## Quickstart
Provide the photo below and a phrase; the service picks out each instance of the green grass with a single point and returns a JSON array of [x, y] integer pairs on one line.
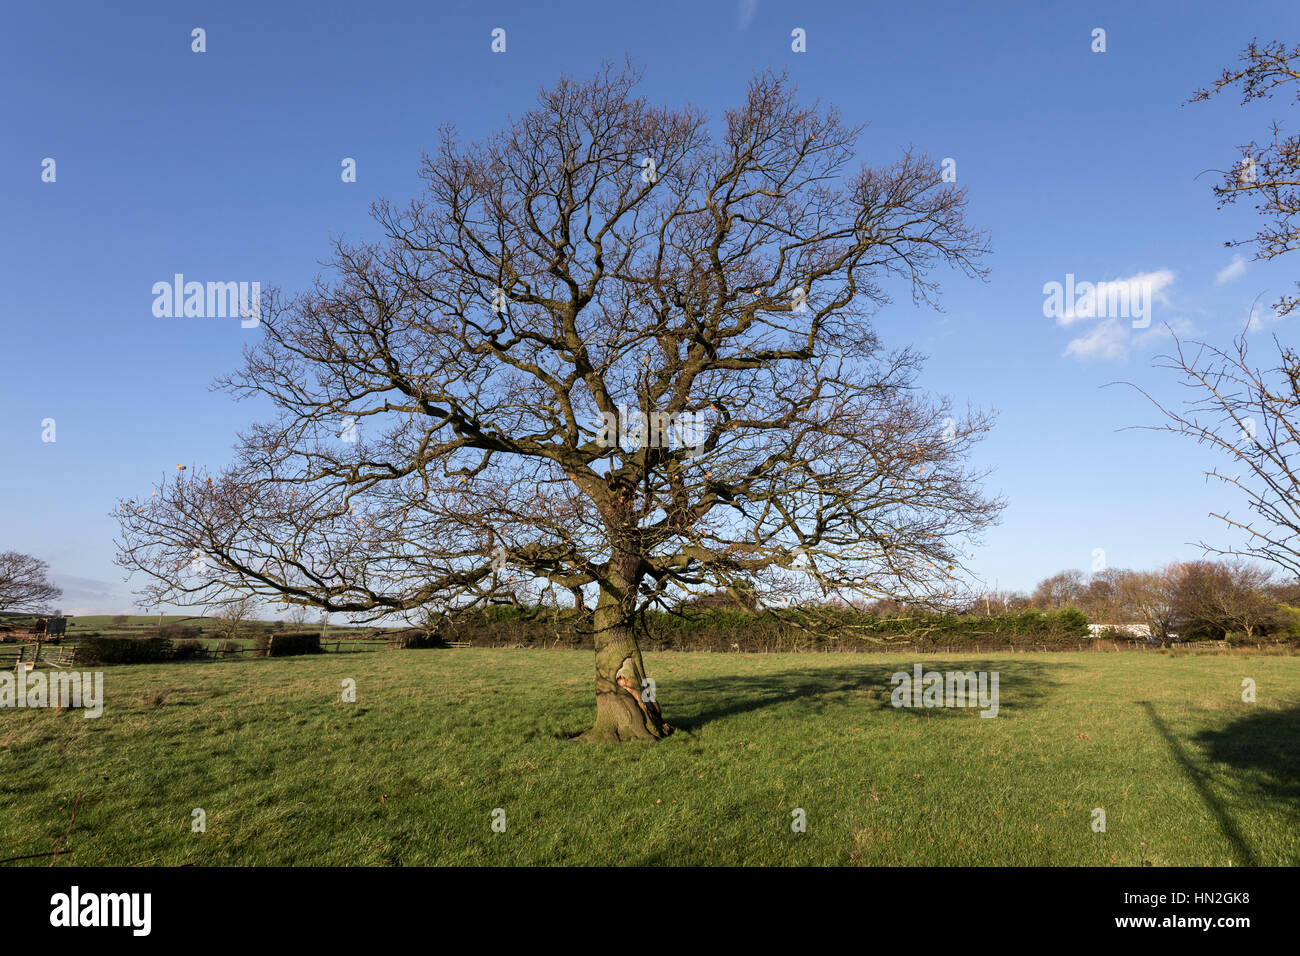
[[1187, 773], [106, 622]]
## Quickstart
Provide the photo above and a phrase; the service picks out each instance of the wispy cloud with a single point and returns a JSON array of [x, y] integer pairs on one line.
[[1112, 340], [1262, 318], [747, 10], [1117, 306], [1233, 270], [1107, 341], [92, 596]]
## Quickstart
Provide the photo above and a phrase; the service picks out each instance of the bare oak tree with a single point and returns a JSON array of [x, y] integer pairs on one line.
[[614, 350], [1060, 590], [1217, 599], [24, 583], [1150, 597], [1100, 598]]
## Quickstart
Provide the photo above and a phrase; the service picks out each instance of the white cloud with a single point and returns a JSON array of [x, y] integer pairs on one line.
[[1260, 319], [1108, 341], [747, 10], [92, 596], [1112, 340], [1233, 270]]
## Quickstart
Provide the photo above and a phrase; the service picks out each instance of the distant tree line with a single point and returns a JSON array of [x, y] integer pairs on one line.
[[1187, 600]]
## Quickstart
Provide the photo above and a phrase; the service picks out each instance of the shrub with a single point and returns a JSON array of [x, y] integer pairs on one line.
[[123, 650], [227, 648], [1287, 625], [811, 628], [286, 644], [189, 650], [178, 632], [1072, 621], [415, 638]]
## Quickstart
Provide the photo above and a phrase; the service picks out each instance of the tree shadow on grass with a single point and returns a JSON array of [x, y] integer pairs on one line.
[[808, 691], [1264, 748]]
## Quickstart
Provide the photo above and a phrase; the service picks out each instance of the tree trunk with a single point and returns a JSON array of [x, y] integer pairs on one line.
[[621, 712]]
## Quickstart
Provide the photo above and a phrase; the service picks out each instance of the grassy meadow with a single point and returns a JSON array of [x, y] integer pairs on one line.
[[410, 774]]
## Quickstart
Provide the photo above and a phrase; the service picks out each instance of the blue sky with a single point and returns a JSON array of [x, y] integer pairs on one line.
[[225, 165]]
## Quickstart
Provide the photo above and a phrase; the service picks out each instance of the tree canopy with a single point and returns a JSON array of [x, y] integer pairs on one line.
[[614, 349]]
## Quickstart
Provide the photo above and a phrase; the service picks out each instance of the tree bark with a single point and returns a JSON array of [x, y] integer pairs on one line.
[[621, 712]]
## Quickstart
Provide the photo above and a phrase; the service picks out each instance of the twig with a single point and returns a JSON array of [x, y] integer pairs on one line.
[[29, 856], [59, 845]]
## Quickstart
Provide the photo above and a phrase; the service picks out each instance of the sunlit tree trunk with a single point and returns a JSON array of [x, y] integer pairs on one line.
[[623, 711]]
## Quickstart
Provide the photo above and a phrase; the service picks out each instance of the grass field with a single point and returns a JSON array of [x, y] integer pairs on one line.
[[410, 774], [108, 622]]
